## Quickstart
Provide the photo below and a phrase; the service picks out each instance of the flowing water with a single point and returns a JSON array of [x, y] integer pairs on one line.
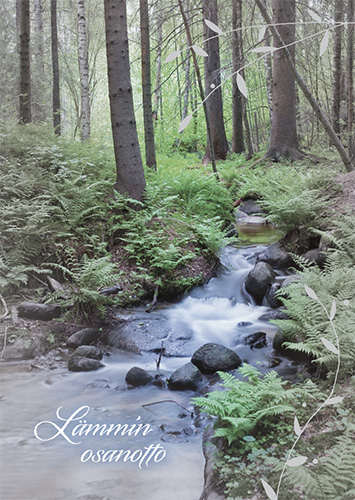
[[48, 449]]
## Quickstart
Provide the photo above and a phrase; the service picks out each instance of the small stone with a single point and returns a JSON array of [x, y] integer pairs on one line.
[[256, 340], [80, 364], [88, 351], [82, 337], [188, 377]]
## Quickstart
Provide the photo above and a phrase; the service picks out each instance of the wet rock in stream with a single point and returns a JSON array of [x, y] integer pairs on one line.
[[138, 377], [188, 377], [211, 358], [276, 256], [81, 364], [256, 340], [258, 280], [82, 337]]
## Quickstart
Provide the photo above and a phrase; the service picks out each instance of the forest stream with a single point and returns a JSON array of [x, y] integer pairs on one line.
[[62, 462]]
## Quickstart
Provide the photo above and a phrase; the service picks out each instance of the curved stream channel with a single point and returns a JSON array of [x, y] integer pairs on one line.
[[56, 469]]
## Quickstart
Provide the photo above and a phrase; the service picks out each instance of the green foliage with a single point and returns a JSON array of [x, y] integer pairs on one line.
[[248, 406], [308, 321]]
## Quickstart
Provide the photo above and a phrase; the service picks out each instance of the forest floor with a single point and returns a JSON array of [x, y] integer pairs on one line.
[[346, 199]]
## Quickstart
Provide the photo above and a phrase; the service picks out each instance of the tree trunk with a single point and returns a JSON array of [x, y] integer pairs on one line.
[[55, 68], [268, 73], [150, 158], [157, 92], [350, 74], [212, 81], [130, 173], [200, 87], [25, 68], [83, 72], [338, 18], [308, 95], [39, 89], [237, 139], [284, 142]]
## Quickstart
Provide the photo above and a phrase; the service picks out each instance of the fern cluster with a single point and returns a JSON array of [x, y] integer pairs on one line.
[[308, 322], [252, 406]]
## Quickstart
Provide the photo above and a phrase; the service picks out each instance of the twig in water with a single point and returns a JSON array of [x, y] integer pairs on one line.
[[160, 355], [169, 401], [154, 303]]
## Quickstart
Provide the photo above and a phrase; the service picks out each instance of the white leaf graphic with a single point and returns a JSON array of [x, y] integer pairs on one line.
[[333, 310], [172, 56], [242, 85], [334, 401], [324, 43], [199, 51], [329, 345], [269, 491], [264, 49], [295, 462], [311, 293], [314, 16], [297, 427], [185, 123], [262, 33], [212, 26]]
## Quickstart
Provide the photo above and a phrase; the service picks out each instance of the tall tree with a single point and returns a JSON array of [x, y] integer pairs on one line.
[[147, 87], [83, 71], [337, 53], [350, 74], [214, 101], [284, 141], [25, 67], [55, 69], [237, 140], [130, 173], [38, 73]]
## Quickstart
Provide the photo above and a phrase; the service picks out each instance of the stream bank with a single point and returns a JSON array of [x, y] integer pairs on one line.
[[220, 312]]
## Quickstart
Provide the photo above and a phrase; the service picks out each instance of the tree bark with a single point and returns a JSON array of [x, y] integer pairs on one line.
[[157, 92], [130, 173], [315, 106], [25, 67], [284, 141], [150, 158], [213, 80], [350, 75], [237, 139], [337, 52], [268, 73], [55, 69], [39, 89], [83, 71]]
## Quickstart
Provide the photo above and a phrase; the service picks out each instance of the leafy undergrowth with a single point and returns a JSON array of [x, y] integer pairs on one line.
[[260, 438], [62, 218]]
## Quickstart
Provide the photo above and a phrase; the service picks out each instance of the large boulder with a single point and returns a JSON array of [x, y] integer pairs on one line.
[[188, 377], [138, 377], [82, 337], [315, 256], [275, 314], [211, 358], [276, 256], [258, 280], [251, 207]]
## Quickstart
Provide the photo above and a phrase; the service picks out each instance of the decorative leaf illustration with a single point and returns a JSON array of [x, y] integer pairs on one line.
[[199, 51], [329, 345], [242, 85], [311, 293], [269, 491], [297, 427], [262, 33], [324, 43], [264, 49], [334, 401], [333, 310], [295, 462], [314, 16], [212, 26], [185, 123], [172, 56]]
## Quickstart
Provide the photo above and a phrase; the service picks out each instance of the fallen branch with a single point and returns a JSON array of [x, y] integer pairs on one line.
[[168, 401]]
